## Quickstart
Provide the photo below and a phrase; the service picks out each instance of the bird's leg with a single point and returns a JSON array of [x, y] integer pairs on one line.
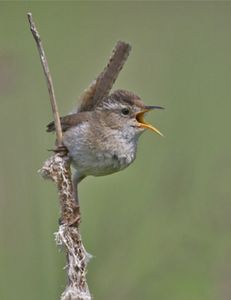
[[75, 181]]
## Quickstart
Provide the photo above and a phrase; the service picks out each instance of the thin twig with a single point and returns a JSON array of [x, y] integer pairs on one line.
[[47, 74]]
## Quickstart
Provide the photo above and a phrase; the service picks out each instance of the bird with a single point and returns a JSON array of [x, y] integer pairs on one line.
[[101, 136]]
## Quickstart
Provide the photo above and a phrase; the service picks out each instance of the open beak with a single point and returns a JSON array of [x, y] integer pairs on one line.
[[141, 121]]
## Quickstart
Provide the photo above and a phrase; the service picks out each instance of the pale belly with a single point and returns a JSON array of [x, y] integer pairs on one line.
[[100, 164], [107, 156]]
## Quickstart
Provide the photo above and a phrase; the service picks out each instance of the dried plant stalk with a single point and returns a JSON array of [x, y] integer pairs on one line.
[[57, 168]]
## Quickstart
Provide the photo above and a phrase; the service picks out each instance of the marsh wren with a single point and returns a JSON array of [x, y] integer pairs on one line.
[[101, 136]]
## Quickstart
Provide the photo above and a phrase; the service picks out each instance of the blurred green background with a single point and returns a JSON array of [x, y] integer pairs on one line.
[[161, 228]]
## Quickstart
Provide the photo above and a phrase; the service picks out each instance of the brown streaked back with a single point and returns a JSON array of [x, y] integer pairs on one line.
[[70, 120]]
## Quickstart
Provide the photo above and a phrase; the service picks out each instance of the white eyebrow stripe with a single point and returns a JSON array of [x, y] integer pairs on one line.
[[113, 105]]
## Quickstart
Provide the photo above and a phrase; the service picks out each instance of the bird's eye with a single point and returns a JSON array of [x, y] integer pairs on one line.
[[125, 111]]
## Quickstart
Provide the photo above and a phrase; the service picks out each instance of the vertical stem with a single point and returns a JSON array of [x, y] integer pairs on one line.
[[47, 74]]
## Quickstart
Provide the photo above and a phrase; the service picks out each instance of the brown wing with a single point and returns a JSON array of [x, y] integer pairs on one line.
[[102, 85], [69, 121]]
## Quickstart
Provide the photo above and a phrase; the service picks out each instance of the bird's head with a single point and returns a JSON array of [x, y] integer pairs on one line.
[[124, 109]]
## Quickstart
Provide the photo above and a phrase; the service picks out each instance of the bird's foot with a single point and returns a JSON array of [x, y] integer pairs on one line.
[[62, 150]]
